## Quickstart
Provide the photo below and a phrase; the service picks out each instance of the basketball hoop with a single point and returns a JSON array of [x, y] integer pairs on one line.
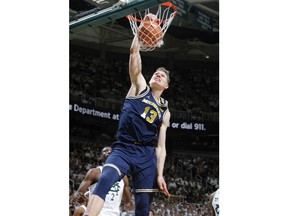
[[150, 26]]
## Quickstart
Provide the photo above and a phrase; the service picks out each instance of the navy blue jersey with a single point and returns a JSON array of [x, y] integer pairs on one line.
[[141, 118]]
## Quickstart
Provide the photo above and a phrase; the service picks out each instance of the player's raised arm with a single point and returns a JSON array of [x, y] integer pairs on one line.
[[138, 82]]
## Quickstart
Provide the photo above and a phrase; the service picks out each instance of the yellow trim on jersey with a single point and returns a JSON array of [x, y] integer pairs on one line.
[[146, 190], [115, 167]]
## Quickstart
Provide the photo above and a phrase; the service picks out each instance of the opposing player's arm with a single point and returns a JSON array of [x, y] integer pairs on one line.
[[126, 191], [161, 153], [127, 195], [138, 82], [93, 175], [79, 212]]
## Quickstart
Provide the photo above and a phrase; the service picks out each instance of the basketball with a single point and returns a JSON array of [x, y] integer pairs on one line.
[[150, 33]]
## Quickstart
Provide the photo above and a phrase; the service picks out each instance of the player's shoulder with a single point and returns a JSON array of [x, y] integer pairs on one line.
[[163, 102], [145, 90], [95, 171]]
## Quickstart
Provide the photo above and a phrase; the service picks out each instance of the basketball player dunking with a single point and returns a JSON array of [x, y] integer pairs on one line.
[[140, 147]]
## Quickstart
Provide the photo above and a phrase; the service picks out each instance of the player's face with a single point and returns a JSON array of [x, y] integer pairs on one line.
[[159, 78], [105, 153]]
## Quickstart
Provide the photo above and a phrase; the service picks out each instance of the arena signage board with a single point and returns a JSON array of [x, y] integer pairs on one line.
[[107, 114], [203, 21], [102, 4], [181, 6]]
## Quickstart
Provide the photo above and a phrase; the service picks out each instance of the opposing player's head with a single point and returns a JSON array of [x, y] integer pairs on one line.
[[105, 152], [160, 79]]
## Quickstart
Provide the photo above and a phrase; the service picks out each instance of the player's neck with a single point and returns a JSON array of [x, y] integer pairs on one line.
[[157, 94]]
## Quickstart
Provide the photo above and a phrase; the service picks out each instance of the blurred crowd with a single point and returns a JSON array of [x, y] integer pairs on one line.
[[196, 87], [190, 178]]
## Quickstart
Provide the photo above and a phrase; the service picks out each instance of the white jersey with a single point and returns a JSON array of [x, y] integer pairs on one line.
[[215, 202], [113, 198]]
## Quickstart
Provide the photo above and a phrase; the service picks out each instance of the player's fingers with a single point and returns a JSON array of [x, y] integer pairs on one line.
[[165, 191]]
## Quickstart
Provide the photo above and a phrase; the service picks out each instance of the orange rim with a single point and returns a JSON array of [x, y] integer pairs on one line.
[[167, 4]]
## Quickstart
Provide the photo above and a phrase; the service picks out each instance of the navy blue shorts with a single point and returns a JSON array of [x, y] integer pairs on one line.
[[139, 161]]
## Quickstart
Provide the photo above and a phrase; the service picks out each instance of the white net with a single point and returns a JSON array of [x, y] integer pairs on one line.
[[151, 27]]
